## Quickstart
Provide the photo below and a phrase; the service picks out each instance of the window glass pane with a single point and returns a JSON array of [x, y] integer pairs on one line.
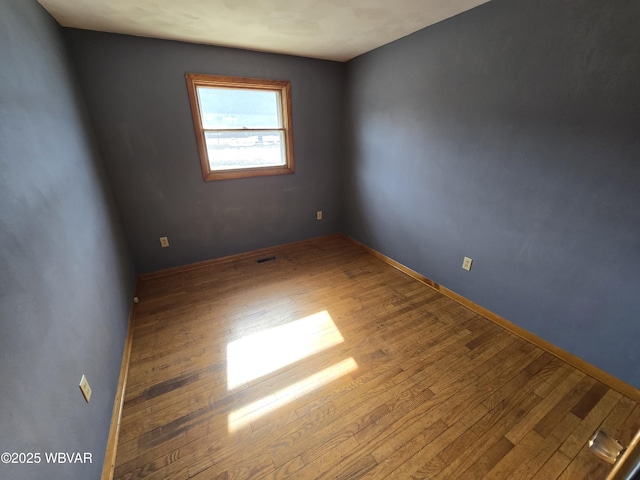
[[223, 108], [230, 150]]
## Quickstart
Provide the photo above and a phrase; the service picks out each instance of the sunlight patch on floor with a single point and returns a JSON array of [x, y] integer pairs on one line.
[[264, 352], [245, 415]]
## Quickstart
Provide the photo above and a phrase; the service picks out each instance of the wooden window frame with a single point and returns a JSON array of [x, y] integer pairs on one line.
[[282, 87]]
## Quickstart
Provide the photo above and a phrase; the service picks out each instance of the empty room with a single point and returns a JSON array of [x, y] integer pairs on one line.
[[327, 239]]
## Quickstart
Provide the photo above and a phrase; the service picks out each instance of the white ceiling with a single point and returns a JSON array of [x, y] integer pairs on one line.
[[328, 29]]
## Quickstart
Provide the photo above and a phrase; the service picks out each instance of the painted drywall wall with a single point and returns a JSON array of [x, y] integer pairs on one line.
[[66, 277], [511, 134], [137, 98]]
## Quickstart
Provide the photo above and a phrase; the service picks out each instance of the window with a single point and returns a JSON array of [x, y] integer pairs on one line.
[[242, 125]]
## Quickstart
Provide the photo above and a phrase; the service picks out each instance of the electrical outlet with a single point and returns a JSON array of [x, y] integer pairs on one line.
[[319, 215], [466, 263], [85, 388], [164, 242]]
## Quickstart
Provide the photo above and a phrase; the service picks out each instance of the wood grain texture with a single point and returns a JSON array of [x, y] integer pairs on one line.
[[399, 381], [109, 465], [263, 252], [604, 377]]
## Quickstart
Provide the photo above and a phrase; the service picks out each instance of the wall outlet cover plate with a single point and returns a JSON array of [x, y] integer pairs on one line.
[[85, 388], [466, 264]]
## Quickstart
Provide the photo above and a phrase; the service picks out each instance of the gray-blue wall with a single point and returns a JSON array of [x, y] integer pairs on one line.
[[66, 278], [511, 134], [137, 98]]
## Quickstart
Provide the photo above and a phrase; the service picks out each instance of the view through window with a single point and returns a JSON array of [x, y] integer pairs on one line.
[[243, 126]]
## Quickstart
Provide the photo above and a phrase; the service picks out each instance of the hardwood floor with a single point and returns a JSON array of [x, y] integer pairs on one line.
[[328, 363]]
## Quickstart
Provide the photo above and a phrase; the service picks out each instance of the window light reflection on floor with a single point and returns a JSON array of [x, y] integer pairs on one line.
[[243, 416], [264, 352]]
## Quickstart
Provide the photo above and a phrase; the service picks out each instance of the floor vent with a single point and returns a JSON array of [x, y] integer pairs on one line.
[[268, 259]]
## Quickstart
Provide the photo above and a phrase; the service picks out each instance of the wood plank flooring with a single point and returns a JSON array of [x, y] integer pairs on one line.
[[326, 363]]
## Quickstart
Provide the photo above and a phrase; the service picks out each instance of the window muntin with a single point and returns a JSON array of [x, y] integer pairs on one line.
[[243, 126]]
